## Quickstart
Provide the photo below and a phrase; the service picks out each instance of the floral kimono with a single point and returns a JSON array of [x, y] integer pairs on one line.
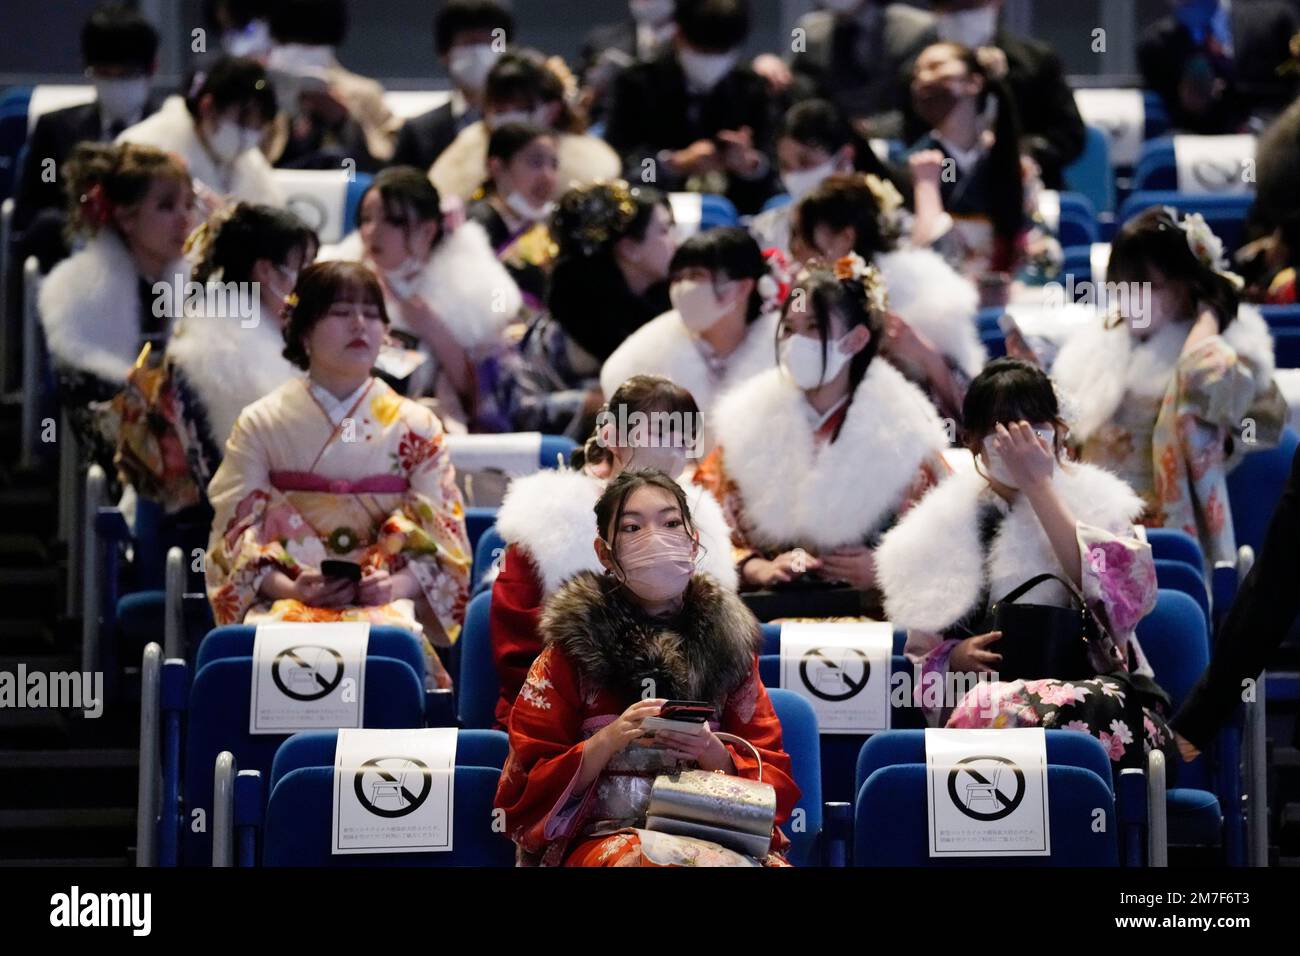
[[600, 650], [1173, 425], [373, 484], [963, 548], [782, 481]]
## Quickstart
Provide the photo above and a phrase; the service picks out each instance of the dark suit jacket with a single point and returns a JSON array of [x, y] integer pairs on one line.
[[1261, 30], [1049, 118], [1260, 618], [652, 111], [55, 135], [607, 36], [422, 138]]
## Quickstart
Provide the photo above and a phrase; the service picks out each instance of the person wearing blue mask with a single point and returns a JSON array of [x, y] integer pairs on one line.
[[695, 115], [1215, 64]]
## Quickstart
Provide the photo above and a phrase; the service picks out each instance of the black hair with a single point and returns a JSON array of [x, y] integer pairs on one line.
[[640, 393], [406, 191], [319, 286], [730, 252], [234, 81], [309, 22], [1008, 390], [840, 202], [1005, 196], [116, 34], [819, 291], [1154, 238], [589, 220], [239, 13], [525, 75], [466, 16], [609, 507], [714, 25], [229, 248], [506, 142]]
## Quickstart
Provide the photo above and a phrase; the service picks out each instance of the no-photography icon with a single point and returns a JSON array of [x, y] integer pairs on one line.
[[307, 671], [392, 786], [834, 680], [994, 784]]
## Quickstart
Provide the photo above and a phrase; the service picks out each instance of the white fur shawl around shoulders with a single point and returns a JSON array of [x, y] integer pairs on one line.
[[550, 514], [933, 568], [842, 493], [937, 301]]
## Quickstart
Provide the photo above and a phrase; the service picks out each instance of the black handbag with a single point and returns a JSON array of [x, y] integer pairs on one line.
[[1043, 640]]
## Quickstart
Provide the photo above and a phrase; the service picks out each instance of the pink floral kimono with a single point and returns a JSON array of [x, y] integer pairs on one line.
[[377, 488]]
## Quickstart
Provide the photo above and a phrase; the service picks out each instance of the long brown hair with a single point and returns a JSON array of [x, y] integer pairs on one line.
[[103, 177], [640, 393]]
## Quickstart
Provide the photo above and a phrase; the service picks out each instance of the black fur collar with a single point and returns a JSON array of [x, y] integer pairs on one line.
[[703, 653]]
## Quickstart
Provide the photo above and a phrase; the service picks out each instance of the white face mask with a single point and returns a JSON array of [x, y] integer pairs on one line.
[[231, 139], [799, 183], [652, 12], [801, 359], [520, 205], [122, 100], [704, 71], [469, 66], [972, 28], [535, 116], [996, 469], [697, 303], [252, 41], [671, 461]]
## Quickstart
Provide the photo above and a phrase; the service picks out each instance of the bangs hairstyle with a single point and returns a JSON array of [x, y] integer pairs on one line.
[[116, 34], [470, 16], [234, 81], [609, 509], [408, 197], [713, 25], [319, 286], [640, 393], [826, 296], [508, 141], [730, 253], [1154, 238], [1009, 390]]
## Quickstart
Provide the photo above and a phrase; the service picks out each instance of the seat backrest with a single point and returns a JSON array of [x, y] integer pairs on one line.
[[1067, 748], [1091, 173], [555, 451], [478, 686], [1255, 487], [325, 199], [299, 820], [315, 748], [1225, 215], [800, 740], [1175, 639], [891, 822], [1071, 216], [1180, 576], [477, 521], [1171, 544], [218, 720], [236, 640], [489, 547]]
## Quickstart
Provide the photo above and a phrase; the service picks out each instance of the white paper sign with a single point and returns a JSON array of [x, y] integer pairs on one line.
[[517, 453], [1214, 164], [393, 791], [1121, 115], [308, 677], [987, 792], [842, 669]]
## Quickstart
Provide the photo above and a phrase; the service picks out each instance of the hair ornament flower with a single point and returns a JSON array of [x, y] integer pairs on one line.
[[774, 286], [889, 202], [853, 268], [1205, 245]]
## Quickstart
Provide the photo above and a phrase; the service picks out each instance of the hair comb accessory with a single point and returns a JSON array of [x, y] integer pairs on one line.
[[774, 287], [1206, 246], [98, 207], [597, 213], [853, 268], [889, 202]]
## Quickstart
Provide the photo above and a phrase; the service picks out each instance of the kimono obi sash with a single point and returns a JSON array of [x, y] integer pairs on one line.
[[370, 485], [623, 789]]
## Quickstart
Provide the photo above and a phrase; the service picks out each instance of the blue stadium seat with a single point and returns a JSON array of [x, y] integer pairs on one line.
[[1065, 748], [1255, 487], [1171, 544], [1157, 116], [1180, 576], [236, 640], [217, 720], [1286, 347], [315, 748], [772, 638], [1091, 172], [717, 212], [1225, 215], [1281, 316], [477, 521], [777, 201], [1077, 263], [477, 686], [1078, 220], [891, 822], [299, 814], [799, 740], [490, 545], [1156, 167], [13, 134]]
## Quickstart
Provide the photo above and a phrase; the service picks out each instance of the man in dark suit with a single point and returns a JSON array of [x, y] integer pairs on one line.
[[857, 54], [1260, 618], [1050, 123], [693, 118], [1216, 67], [610, 48], [120, 50], [469, 36]]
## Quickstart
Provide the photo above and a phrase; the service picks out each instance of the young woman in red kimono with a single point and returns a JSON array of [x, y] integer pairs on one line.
[[578, 778], [542, 514]]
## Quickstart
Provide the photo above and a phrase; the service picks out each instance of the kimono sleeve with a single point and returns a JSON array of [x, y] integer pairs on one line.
[[426, 533], [240, 555], [1215, 385], [1119, 577], [516, 608], [749, 714], [546, 747]]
